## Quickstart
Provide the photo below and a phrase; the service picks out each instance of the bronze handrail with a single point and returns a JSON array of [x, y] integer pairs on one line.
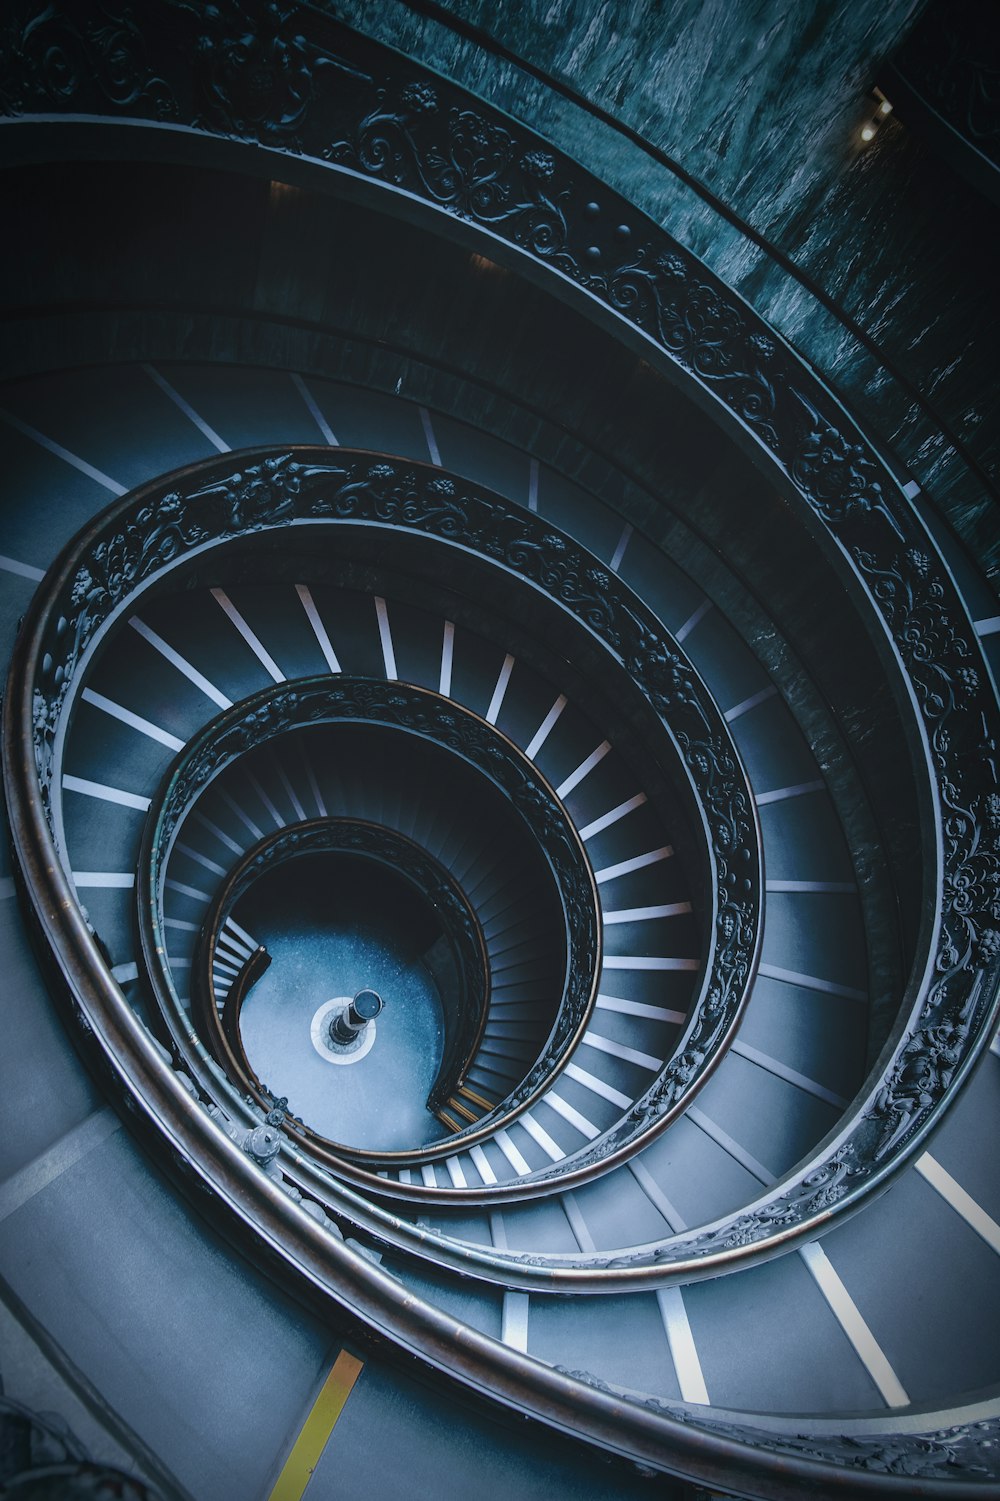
[[405, 708], [359, 837], [693, 325]]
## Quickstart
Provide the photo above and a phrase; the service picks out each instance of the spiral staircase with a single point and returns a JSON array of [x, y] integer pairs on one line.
[[428, 577]]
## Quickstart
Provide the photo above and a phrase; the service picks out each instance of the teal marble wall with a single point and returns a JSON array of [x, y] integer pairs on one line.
[[762, 102]]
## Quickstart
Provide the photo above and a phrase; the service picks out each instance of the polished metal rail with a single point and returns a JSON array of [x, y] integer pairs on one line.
[[197, 515], [691, 325]]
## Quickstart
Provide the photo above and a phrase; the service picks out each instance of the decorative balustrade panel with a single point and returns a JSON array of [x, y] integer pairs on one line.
[[376, 119], [401, 707], [465, 1011], [951, 1004], [164, 527]]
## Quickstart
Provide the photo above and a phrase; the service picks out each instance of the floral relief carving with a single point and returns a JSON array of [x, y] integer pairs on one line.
[[54, 57], [458, 922], [328, 700], [365, 110], [963, 1451], [281, 488]]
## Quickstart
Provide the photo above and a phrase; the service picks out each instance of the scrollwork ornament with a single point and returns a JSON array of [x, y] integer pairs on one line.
[[285, 708], [961, 1451], [52, 57], [835, 471], [340, 835], [287, 488], [260, 70], [474, 167]]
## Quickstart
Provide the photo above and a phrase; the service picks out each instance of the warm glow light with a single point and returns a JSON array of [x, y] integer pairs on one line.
[[885, 108], [868, 132]]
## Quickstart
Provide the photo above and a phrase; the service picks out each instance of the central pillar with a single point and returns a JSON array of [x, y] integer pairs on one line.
[[347, 1025]]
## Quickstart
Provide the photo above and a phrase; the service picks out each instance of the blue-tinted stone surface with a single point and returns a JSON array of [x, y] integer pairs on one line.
[[329, 937]]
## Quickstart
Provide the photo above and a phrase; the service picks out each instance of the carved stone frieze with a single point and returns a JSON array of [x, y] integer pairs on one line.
[[291, 76], [329, 700], [56, 57], [290, 488], [964, 1451], [465, 1011]]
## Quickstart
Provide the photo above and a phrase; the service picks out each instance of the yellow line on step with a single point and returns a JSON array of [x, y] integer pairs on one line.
[[307, 1449]]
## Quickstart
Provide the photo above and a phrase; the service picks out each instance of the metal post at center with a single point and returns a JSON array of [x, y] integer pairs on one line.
[[348, 1024]]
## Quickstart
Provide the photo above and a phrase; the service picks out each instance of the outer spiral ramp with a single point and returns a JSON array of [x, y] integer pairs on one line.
[[718, 1294]]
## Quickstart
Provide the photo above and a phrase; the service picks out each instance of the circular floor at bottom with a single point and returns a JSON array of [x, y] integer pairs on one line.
[[332, 941]]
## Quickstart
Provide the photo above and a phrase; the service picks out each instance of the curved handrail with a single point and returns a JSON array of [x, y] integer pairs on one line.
[[828, 464], [952, 993], [388, 128], [410, 710], [228, 1021], [360, 837], [700, 328], [190, 517]]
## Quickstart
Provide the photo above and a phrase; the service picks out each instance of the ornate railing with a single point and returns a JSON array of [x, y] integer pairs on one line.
[[456, 732], [465, 1005], [950, 1004], [389, 125], [141, 541]]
